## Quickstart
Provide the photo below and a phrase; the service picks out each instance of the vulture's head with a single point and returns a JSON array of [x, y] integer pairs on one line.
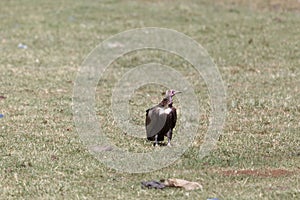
[[170, 94]]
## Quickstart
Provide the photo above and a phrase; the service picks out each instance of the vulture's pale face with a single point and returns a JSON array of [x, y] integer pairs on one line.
[[171, 93]]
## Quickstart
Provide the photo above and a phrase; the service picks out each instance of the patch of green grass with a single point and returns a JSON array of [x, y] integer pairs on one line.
[[257, 52]]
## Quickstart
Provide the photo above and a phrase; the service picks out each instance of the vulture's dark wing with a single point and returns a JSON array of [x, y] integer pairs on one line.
[[155, 121], [170, 123], [173, 117]]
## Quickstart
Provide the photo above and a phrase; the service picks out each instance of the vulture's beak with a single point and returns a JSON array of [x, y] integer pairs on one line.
[[177, 92]]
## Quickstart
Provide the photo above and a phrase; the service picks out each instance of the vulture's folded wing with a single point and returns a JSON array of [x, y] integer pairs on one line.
[[155, 121]]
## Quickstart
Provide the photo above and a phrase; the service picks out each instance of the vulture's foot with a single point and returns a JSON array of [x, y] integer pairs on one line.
[[169, 142]]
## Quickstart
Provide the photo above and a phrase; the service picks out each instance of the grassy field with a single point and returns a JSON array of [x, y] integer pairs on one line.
[[256, 47]]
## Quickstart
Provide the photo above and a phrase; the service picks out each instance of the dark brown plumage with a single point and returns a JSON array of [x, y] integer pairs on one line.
[[161, 119]]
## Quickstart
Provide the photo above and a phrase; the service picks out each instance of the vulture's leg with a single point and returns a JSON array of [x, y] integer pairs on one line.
[[156, 142], [169, 135]]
